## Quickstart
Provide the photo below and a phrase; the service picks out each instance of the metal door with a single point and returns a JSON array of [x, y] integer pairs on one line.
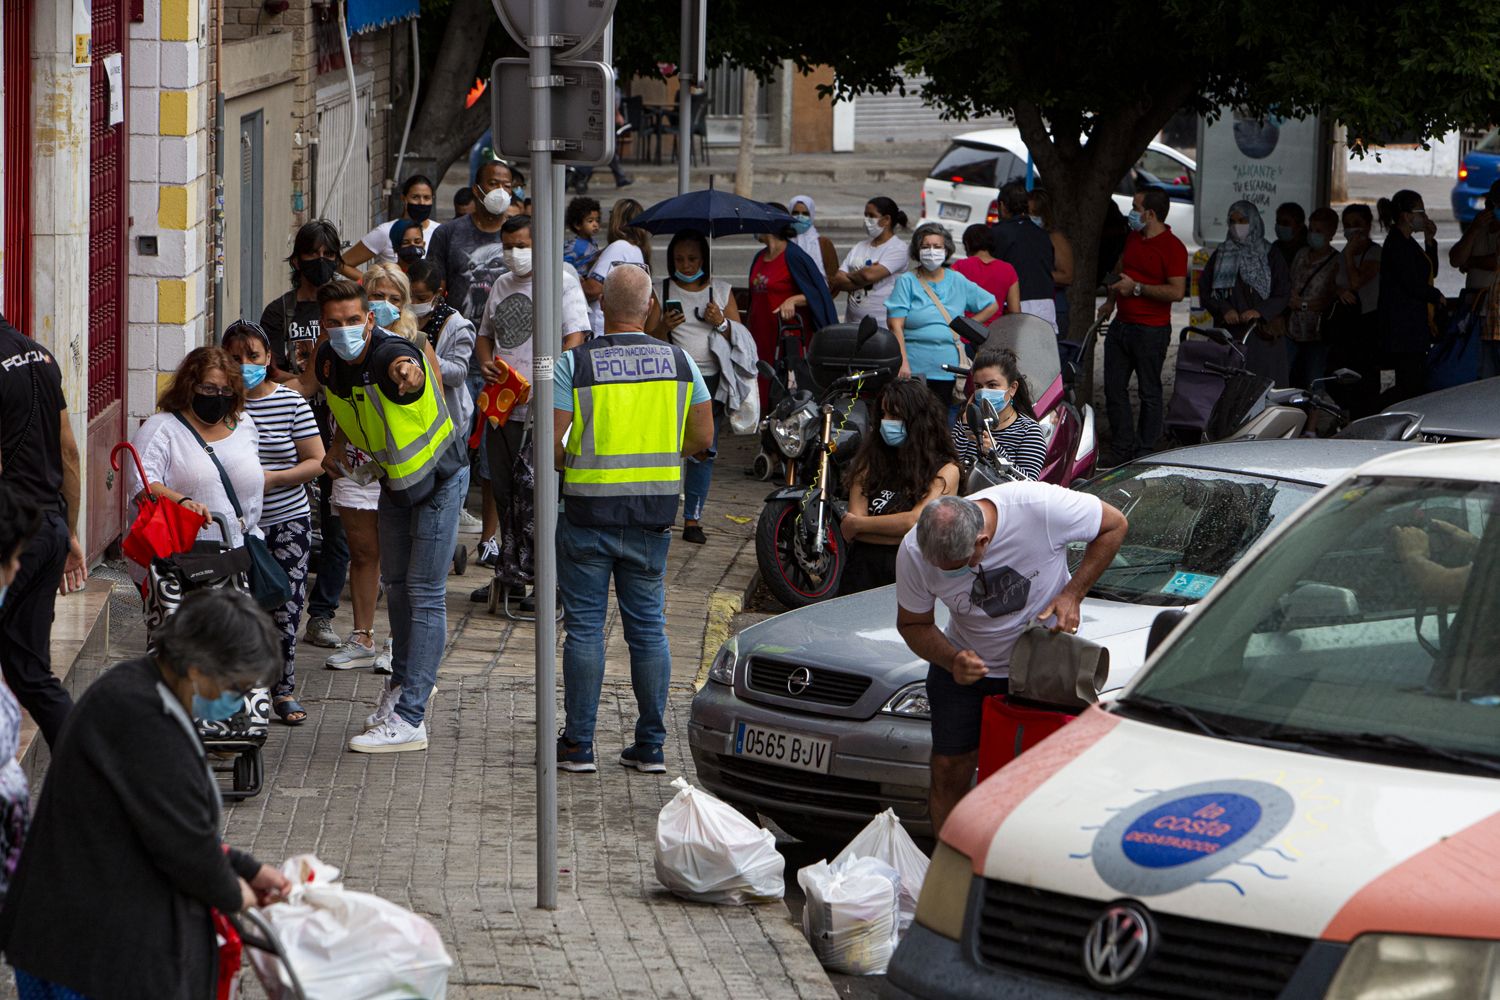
[[108, 186], [15, 54], [339, 124], [252, 214]]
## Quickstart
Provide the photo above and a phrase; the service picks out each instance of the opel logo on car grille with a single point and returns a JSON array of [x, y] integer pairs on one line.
[[1117, 945], [798, 680]]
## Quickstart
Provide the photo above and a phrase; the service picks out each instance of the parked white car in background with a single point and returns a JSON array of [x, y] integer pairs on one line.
[[963, 186]]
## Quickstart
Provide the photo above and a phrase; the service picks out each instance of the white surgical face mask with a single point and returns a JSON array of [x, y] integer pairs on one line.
[[932, 257], [518, 259], [1240, 230], [497, 201], [421, 310], [872, 227]]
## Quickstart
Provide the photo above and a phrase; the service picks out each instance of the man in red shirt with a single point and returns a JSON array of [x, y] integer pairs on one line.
[[1152, 275]]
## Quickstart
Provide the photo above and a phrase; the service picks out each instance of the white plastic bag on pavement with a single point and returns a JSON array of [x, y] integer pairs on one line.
[[851, 915], [885, 839], [708, 852], [346, 945]]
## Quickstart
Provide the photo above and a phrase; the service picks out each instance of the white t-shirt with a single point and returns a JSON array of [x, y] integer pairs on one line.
[[509, 319], [378, 240], [871, 301], [1024, 567], [617, 252], [694, 335], [175, 459]]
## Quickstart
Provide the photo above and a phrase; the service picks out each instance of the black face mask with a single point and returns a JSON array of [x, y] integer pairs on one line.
[[419, 213], [317, 271], [212, 409], [409, 254]]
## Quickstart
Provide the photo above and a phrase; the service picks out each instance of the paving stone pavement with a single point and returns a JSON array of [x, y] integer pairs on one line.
[[451, 833]]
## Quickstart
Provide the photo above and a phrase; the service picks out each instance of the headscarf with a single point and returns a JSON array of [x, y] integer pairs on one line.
[[808, 241], [1245, 260]]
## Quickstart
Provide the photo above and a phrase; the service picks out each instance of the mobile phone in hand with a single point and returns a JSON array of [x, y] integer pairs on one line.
[[673, 305]]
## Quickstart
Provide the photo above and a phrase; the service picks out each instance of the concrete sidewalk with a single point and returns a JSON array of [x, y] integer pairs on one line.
[[451, 833]]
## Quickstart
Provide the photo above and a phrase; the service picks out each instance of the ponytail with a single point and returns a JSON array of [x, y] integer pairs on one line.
[[1390, 209], [886, 206]]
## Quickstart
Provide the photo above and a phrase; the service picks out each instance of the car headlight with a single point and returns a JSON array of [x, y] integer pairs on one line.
[[790, 433], [910, 701], [1400, 965], [945, 892], [722, 669]]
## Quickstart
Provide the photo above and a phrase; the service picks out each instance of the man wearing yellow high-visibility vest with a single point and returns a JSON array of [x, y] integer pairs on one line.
[[631, 407], [387, 397]]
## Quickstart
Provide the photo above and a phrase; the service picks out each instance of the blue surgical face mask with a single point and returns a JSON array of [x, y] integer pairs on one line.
[[801, 223], [1285, 233], [253, 375], [347, 341], [1316, 241], [1134, 220], [893, 432], [961, 571], [386, 313], [1036, 220], [217, 709], [688, 279], [997, 397]]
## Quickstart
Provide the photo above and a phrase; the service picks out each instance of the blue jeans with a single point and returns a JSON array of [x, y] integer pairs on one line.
[[332, 568], [637, 559], [416, 549], [696, 475]]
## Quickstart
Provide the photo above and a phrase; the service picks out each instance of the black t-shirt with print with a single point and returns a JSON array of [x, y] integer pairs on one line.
[[31, 398], [285, 330]]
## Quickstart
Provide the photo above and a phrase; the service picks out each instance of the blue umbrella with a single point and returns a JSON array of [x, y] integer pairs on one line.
[[714, 213]]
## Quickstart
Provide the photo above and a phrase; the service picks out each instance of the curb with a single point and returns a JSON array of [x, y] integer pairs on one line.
[[723, 605]]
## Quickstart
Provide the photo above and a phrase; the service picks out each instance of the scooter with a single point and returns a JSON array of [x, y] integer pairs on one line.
[[1251, 410]]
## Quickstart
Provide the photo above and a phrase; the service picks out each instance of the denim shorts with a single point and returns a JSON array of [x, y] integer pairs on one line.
[[958, 710]]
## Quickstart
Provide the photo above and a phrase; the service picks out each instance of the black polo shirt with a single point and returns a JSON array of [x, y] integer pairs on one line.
[[31, 401], [1026, 247]]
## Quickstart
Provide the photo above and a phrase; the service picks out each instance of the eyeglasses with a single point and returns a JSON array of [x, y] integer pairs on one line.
[[204, 389]]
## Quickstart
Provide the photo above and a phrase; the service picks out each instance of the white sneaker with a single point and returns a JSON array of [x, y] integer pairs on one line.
[[468, 522], [320, 633], [389, 695], [383, 661], [489, 552], [352, 654], [394, 735]]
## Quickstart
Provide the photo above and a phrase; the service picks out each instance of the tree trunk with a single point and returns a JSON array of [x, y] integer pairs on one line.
[[444, 129], [744, 178], [1338, 180]]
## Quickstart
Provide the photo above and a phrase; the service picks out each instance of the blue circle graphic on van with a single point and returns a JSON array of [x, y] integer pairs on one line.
[[1190, 828]]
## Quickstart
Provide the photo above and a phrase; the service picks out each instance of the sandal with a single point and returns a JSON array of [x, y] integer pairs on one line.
[[289, 711]]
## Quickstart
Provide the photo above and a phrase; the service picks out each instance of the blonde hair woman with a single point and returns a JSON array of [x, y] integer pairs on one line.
[[389, 291]]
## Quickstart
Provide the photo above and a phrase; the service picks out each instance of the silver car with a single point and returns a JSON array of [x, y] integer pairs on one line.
[[818, 718]]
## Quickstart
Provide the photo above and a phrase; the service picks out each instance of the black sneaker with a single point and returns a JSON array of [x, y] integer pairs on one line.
[[481, 595], [646, 759], [694, 533]]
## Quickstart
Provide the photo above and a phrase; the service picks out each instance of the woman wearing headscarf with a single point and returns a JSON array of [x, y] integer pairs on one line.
[[1246, 287], [818, 247]]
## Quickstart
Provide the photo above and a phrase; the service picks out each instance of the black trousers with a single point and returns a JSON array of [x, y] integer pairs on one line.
[[26, 628], [1132, 349]]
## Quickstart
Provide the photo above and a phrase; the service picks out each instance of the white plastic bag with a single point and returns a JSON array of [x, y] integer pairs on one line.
[[885, 839], [346, 945], [852, 914], [706, 851]]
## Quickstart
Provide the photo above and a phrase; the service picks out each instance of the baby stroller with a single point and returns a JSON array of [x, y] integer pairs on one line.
[[515, 569], [234, 745], [1214, 393]]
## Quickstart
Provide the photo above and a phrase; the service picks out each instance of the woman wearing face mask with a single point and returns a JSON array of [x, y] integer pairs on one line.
[[1313, 271], [925, 301], [627, 245], [1350, 329], [1040, 203], [906, 463], [818, 247], [128, 822], [996, 378], [696, 310], [784, 284], [410, 248], [1407, 312], [291, 321], [869, 271], [451, 336], [383, 242], [291, 453], [1245, 287]]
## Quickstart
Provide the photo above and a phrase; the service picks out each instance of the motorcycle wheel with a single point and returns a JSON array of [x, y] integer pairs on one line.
[[792, 574]]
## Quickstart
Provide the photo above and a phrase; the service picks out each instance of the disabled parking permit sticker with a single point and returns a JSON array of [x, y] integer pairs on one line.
[[1194, 586]]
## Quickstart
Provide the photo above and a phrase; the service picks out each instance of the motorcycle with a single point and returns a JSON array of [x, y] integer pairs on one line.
[[1250, 409], [798, 546]]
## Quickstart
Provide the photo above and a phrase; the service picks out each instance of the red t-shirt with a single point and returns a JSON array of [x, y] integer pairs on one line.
[[995, 277], [1151, 262], [771, 284]]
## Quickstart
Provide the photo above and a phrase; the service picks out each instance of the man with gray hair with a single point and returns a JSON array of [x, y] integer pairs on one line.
[[998, 560], [631, 407]]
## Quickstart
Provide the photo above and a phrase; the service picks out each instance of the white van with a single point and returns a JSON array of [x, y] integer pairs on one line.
[[1299, 796]]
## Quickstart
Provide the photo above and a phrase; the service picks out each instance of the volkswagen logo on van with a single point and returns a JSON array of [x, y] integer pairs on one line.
[[798, 680], [1117, 945]]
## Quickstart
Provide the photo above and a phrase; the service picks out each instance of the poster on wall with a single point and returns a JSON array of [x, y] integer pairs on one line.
[[83, 32], [114, 75], [1265, 160]]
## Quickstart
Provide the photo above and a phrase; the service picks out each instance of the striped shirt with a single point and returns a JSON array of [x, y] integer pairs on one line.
[[1023, 443], [283, 418]]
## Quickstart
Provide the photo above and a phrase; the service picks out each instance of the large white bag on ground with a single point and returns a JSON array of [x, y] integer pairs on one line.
[[885, 839], [346, 945], [708, 852], [852, 914]]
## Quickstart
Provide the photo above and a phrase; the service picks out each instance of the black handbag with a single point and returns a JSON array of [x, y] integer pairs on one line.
[[269, 584]]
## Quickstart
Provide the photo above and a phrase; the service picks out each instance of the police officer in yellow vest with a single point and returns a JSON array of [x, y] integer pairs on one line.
[[631, 406], [387, 398]]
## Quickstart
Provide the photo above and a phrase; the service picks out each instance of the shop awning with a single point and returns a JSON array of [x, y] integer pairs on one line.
[[371, 15]]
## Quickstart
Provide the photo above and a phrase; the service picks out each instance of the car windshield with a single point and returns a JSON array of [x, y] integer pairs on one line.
[[982, 165], [1187, 528], [1368, 629]]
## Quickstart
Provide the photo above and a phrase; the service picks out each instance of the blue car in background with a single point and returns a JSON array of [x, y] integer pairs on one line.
[[1478, 170]]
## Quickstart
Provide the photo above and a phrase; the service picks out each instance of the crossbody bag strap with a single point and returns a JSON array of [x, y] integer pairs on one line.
[[1316, 271], [935, 300], [234, 500]]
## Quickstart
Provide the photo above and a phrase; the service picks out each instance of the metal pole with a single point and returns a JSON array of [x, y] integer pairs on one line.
[[685, 99], [547, 341]]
